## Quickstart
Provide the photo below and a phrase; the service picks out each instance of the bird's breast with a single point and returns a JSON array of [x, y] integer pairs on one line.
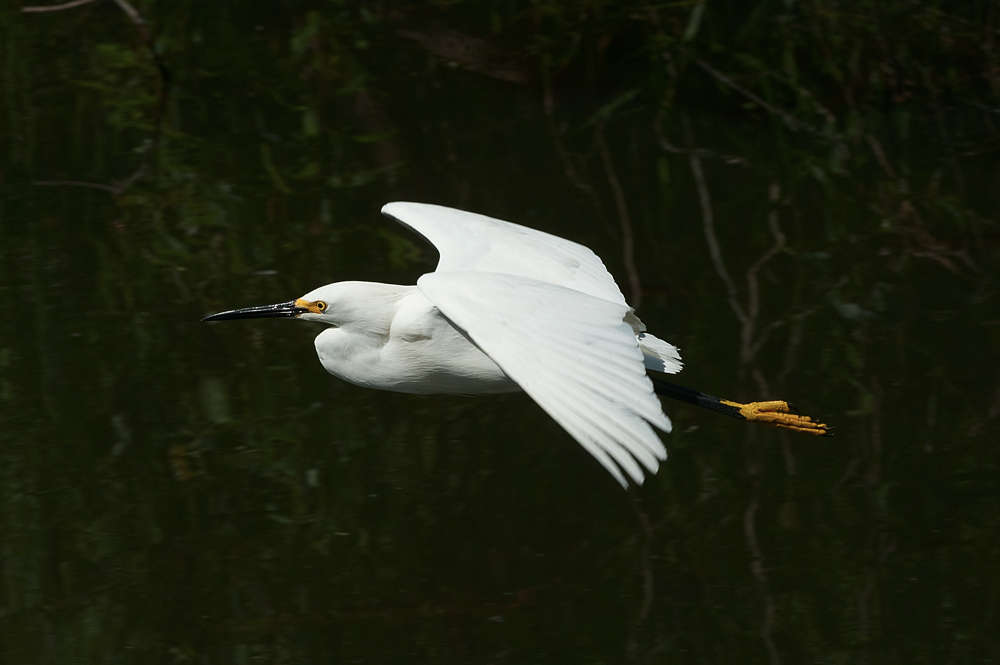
[[422, 352]]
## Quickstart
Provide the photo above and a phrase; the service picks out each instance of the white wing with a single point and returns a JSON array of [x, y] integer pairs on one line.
[[572, 353], [469, 242]]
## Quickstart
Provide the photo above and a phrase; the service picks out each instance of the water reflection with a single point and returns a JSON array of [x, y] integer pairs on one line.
[[173, 493]]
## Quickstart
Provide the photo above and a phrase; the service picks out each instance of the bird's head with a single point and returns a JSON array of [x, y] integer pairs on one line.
[[339, 304], [313, 306]]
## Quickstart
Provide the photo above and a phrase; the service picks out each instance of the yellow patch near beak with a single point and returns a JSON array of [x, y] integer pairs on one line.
[[311, 306]]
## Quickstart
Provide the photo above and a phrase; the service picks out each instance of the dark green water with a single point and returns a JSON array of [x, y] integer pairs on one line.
[[177, 492]]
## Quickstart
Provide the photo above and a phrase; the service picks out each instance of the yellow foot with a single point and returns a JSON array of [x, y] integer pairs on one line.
[[780, 414]]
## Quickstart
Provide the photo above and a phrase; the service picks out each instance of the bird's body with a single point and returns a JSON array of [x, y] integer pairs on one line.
[[508, 308], [394, 338]]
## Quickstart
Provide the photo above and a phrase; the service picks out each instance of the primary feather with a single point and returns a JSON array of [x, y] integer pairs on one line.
[[571, 352]]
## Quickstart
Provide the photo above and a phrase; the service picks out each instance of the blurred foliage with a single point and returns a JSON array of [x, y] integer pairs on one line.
[[174, 492]]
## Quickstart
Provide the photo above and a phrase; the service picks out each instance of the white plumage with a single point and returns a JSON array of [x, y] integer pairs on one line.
[[507, 308]]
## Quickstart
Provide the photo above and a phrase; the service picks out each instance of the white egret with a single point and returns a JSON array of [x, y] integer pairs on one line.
[[510, 308]]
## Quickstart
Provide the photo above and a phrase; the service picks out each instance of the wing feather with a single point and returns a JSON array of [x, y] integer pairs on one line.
[[617, 431], [581, 424], [635, 433], [571, 352], [609, 384], [468, 242]]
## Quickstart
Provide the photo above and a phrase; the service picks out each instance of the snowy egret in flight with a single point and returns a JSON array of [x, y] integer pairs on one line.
[[510, 308]]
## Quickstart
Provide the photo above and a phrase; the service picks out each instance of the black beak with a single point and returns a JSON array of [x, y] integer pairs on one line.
[[283, 310]]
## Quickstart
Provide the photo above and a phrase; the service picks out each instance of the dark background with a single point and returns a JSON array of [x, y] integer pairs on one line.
[[175, 492]]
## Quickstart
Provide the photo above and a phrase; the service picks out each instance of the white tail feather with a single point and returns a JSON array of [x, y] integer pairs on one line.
[[658, 355]]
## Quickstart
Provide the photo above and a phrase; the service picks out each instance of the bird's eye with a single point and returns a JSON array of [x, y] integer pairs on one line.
[[321, 306]]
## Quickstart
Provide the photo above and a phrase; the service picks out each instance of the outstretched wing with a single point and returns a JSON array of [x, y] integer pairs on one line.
[[469, 242], [571, 352]]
